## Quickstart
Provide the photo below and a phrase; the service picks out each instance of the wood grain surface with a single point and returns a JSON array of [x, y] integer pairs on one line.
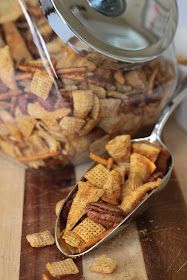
[[43, 189], [155, 247]]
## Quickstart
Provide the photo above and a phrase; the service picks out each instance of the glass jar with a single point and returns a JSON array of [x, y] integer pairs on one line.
[[57, 106]]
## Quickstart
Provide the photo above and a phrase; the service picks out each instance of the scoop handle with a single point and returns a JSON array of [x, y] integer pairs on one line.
[[172, 105]]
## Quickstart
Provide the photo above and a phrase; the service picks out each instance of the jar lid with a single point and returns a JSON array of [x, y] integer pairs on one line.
[[130, 31]]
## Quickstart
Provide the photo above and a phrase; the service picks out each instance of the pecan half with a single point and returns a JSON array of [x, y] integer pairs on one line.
[[105, 214]]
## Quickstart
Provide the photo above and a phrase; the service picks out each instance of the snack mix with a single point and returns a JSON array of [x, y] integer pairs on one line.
[[58, 110], [107, 193], [110, 190]]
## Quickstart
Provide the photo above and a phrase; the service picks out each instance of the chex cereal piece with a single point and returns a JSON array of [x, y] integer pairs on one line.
[[86, 193], [96, 108], [132, 199], [66, 267], [98, 175], [59, 206], [103, 264], [88, 229], [88, 127], [119, 148], [146, 149], [112, 187], [40, 239], [141, 169], [36, 111], [26, 124], [7, 68], [83, 101], [72, 125], [10, 11], [16, 43], [41, 84], [73, 239]]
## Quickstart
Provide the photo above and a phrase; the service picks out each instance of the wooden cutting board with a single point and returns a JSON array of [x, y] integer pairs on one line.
[[155, 247]]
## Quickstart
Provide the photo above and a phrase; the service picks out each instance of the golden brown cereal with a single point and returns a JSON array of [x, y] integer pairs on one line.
[[119, 148], [98, 175], [16, 43], [7, 68], [88, 127], [103, 264], [99, 91], [72, 125], [83, 101], [41, 84], [36, 111], [146, 149], [26, 124], [10, 10], [132, 199], [141, 169], [88, 229], [119, 77], [59, 206], [40, 239], [73, 239], [96, 108], [86, 193], [112, 188], [66, 267]]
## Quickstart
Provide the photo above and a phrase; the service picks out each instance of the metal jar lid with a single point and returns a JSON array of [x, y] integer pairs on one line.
[[130, 31]]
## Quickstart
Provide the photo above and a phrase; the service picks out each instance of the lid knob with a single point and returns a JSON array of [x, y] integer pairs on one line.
[[110, 8]]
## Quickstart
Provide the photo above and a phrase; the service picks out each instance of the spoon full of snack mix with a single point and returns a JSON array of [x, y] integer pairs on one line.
[[116, 189]]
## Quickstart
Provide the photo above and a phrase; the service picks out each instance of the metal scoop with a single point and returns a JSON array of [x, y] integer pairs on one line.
[[154, 138]]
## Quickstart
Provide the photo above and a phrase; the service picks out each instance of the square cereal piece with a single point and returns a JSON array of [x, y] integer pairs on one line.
[[26, 124], [83, 101], [88, 230], [86, 193], [41, 84], [103, 264], [98, 175], [119, 148], [73, 239], [40, 239], [146, 149], [66, 267]]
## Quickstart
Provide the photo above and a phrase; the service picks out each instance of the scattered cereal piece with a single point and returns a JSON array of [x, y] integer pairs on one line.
[[103, 264], [66, 267], [40, 239], [88, 229]]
